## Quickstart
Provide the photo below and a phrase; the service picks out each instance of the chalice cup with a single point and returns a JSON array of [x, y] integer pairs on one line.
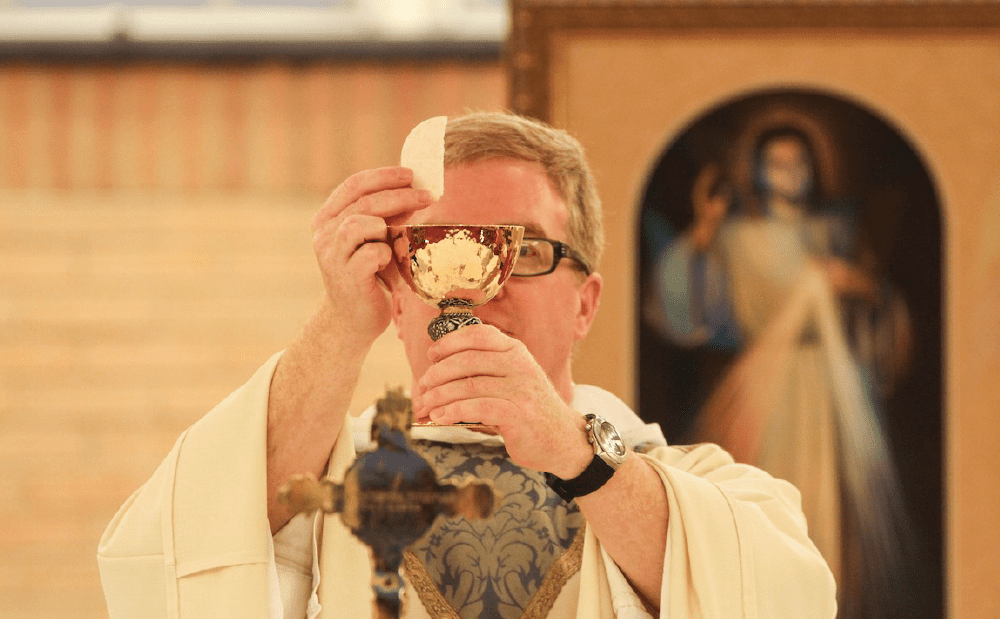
[[455, 267]]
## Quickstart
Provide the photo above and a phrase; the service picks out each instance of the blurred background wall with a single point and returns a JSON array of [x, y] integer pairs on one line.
[[154, 251]]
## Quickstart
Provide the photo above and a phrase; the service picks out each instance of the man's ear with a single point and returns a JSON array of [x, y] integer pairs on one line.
[[590, 300]]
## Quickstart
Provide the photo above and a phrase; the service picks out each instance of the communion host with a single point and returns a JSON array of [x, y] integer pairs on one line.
[[582, 530]]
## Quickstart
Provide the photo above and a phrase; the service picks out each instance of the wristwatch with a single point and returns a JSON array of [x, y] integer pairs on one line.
[[609, 453]]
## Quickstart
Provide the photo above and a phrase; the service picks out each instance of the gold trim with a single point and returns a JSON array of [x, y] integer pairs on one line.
[[562, 569], [418, 578]]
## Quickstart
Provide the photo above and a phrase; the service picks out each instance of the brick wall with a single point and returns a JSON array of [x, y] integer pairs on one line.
[[154, 250]]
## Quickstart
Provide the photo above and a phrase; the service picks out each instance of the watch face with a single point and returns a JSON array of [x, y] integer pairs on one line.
[[607, 437]]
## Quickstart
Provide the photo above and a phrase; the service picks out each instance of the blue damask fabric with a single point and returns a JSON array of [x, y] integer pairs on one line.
[[488, 569]]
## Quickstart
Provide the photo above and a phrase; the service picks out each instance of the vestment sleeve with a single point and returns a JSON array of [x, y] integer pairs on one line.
[[131, 558], [194, 539], [738, 541]]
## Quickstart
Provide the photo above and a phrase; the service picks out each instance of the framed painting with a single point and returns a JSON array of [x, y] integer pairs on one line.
[[796, 201]]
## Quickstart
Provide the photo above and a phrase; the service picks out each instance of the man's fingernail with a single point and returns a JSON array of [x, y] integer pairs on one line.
[[418, 403], [425, 197]]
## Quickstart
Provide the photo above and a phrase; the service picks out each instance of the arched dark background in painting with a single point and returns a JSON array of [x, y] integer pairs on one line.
[[900, 218]]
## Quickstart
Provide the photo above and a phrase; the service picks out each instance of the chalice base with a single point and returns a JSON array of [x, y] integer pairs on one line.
[[455, 314]]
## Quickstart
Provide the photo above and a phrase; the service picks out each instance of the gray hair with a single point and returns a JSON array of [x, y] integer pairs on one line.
[[488, 135]]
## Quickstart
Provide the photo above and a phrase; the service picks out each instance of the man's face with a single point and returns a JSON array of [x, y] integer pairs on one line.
[[787, 172], [548, 313]]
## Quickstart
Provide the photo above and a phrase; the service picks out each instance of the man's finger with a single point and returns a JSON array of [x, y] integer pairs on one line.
[[487, 411], [474, 337], [460, 365], [391, 203], [369, 259], [361, 184], [369, 181], [389, 275], [355, 231], [465, 388]]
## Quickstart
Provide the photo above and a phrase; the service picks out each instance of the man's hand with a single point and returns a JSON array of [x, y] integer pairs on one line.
[[481, 375], [349, 234], [316, 377]]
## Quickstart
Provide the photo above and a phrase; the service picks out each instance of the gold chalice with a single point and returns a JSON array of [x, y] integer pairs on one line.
[[455, 267]]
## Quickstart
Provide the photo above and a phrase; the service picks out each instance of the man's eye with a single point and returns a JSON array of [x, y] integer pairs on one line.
[[529, 251]]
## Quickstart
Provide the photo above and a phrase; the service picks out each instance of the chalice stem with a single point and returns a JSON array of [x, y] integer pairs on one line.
[[455, 314]]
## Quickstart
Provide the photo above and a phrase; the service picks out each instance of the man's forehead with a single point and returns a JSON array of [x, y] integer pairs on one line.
[[533, 228], [498, 191]]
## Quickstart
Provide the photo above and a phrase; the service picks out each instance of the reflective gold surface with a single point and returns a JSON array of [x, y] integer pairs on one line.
[[478, 427], [466, 262]]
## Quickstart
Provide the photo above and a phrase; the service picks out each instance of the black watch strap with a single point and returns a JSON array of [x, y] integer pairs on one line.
[[597, 473]]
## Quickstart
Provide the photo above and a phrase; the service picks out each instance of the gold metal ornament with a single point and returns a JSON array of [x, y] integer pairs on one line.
[[455, 267], [390, 497]]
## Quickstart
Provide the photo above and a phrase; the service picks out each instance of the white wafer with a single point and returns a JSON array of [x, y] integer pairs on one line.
[[423, 152]]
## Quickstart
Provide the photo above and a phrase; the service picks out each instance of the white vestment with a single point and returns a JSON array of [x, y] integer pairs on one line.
[[194, 541]]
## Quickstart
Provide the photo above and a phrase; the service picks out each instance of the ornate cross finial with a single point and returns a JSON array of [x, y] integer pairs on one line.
[[390, 497]]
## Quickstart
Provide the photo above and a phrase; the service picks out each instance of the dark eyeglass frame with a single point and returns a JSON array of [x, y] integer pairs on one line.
[[560, 250]]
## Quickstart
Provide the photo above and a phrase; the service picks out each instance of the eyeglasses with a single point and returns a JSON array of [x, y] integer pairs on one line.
[[542, 256]]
